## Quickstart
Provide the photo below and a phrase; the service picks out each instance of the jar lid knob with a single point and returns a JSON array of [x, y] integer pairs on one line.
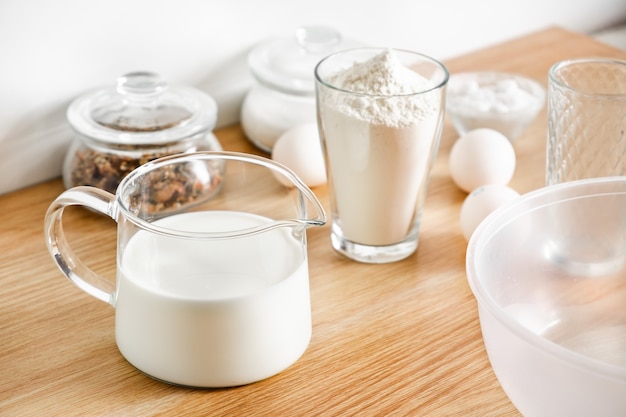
[[317, 39], [141, 84]]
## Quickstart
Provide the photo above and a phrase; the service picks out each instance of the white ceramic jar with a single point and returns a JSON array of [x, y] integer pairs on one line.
[[284, 93]]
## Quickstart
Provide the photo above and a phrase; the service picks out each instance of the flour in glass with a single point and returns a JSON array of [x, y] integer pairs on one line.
[[379, 143]]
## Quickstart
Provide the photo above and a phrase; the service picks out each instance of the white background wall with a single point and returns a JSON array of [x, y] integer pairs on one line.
[[51, 51]]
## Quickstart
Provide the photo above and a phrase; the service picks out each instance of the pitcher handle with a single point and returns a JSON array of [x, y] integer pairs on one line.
[[60, 250]]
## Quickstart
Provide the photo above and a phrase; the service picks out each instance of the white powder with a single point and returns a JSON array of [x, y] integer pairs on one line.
[[378, 148], [382, 76], [506, 105], [503, 96]]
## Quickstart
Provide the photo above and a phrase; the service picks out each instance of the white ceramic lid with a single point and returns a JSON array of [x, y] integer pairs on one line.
[[287, 64]]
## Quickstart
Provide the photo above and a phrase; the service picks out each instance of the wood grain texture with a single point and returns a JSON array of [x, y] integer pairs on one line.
[[400, 339]]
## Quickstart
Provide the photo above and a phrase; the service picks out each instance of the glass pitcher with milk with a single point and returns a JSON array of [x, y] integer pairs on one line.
[[212, 275]]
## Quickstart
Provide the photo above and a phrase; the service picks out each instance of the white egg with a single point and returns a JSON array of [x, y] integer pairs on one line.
[[299, 149], [480, 157], [481, 202]]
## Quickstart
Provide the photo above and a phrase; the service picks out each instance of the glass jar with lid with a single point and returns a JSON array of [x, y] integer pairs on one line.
[[143, 118], [284, 93]]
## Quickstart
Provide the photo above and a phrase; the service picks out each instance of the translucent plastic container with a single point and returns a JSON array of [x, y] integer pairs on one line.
[[549, 274]]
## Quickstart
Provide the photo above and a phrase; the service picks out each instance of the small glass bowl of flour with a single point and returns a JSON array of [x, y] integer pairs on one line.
[[501, 101]]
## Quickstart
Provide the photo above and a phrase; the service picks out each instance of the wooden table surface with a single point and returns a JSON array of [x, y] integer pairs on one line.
[[399, 339]]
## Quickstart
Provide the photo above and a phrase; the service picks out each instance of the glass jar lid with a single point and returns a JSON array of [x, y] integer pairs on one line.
[[287, 64], [142, 109]]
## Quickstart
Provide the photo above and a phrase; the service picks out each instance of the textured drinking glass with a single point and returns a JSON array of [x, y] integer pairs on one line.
[[586, 120], [379, 146]]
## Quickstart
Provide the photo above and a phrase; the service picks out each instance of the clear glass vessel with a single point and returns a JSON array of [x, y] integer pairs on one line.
[[586, 120], [212, 283], [142, 118], [379, 142]]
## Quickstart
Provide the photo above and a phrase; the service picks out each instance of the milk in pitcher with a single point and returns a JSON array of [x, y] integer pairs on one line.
[[190, 317]]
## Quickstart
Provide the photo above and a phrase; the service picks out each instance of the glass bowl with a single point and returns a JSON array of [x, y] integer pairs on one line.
[[549, 275], [501, 101]]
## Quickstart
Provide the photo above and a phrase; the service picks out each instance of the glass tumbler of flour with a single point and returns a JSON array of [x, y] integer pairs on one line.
[[586, 119], [212, 282], [380, 115]]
